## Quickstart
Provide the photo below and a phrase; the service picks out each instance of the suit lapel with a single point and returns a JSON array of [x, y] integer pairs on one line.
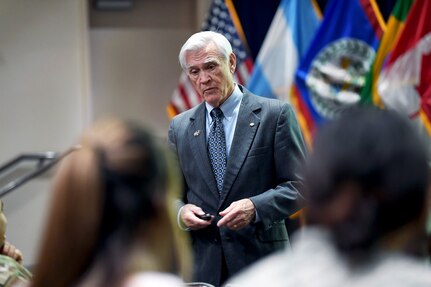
[[245, 130], [196, 135]]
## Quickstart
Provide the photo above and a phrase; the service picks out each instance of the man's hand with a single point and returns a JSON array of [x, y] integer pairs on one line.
[[189, 217], [239, 214], [11, 251]]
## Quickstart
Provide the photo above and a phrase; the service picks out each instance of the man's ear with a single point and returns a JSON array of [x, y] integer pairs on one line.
[[232, 62]]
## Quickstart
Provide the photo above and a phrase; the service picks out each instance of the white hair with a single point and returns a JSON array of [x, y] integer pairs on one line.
[[202, 39]]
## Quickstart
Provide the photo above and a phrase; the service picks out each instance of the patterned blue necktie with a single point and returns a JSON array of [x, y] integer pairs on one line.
[[217, 147]]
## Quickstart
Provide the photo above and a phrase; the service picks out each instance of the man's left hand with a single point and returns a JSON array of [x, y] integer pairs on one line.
[[239, 214]]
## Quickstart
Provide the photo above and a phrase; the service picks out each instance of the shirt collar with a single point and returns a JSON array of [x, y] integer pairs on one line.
[[230, 104]]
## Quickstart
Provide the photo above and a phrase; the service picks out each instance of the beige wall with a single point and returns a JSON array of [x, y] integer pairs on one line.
[[58, 73], [134, 58], [134, 72], [44, 97]]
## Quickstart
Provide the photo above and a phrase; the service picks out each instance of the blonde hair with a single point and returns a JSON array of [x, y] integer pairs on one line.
[[113, 195]]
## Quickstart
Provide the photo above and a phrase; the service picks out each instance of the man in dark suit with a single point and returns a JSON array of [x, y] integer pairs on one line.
[[249, 185]]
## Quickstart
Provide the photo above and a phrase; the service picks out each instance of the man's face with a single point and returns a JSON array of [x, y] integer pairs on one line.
[[210, 74]]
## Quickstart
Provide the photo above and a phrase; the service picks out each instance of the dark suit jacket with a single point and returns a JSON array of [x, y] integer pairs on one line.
[[266, 151]]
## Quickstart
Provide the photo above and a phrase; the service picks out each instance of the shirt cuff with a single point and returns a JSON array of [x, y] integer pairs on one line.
[[179, 221]]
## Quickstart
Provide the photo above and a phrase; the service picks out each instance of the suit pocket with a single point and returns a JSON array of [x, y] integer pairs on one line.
[[258, 151], [277, 232]]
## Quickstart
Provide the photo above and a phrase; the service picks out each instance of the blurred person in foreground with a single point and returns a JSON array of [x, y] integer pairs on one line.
[[110, 221], [12, 273], [6, 248], [239, 155], [366, 183]]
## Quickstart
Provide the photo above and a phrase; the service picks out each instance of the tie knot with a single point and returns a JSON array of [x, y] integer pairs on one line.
[[216, 113]]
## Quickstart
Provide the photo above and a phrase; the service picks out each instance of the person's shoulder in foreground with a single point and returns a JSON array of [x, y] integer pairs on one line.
[[153, 279], [312, 262]]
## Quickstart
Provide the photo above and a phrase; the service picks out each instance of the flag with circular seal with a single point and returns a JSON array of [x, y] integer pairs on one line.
[[332, 74]]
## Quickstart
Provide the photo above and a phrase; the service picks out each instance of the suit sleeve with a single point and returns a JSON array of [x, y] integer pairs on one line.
[[172, 144], [289, 153]]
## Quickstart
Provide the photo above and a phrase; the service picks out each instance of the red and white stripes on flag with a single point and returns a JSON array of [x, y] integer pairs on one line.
[[222, 18]]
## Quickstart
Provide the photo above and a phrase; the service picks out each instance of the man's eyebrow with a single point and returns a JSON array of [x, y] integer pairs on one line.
[[192, 67], [211, 61], [206, 62]]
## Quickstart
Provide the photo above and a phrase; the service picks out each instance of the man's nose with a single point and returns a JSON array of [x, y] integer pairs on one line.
[[204, 77]]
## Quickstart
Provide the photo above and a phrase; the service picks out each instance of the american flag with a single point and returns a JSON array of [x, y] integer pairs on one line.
[[221, 18]]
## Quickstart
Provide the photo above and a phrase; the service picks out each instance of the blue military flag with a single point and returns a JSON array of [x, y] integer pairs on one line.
[[332, 74]]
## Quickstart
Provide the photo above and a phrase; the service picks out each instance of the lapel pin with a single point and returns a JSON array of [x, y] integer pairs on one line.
[[196, 133], [252, 124]]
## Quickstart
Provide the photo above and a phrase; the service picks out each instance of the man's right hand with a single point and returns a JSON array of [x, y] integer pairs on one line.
[[189, 217]]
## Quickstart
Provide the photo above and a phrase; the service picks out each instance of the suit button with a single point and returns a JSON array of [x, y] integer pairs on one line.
[[215, 240]]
